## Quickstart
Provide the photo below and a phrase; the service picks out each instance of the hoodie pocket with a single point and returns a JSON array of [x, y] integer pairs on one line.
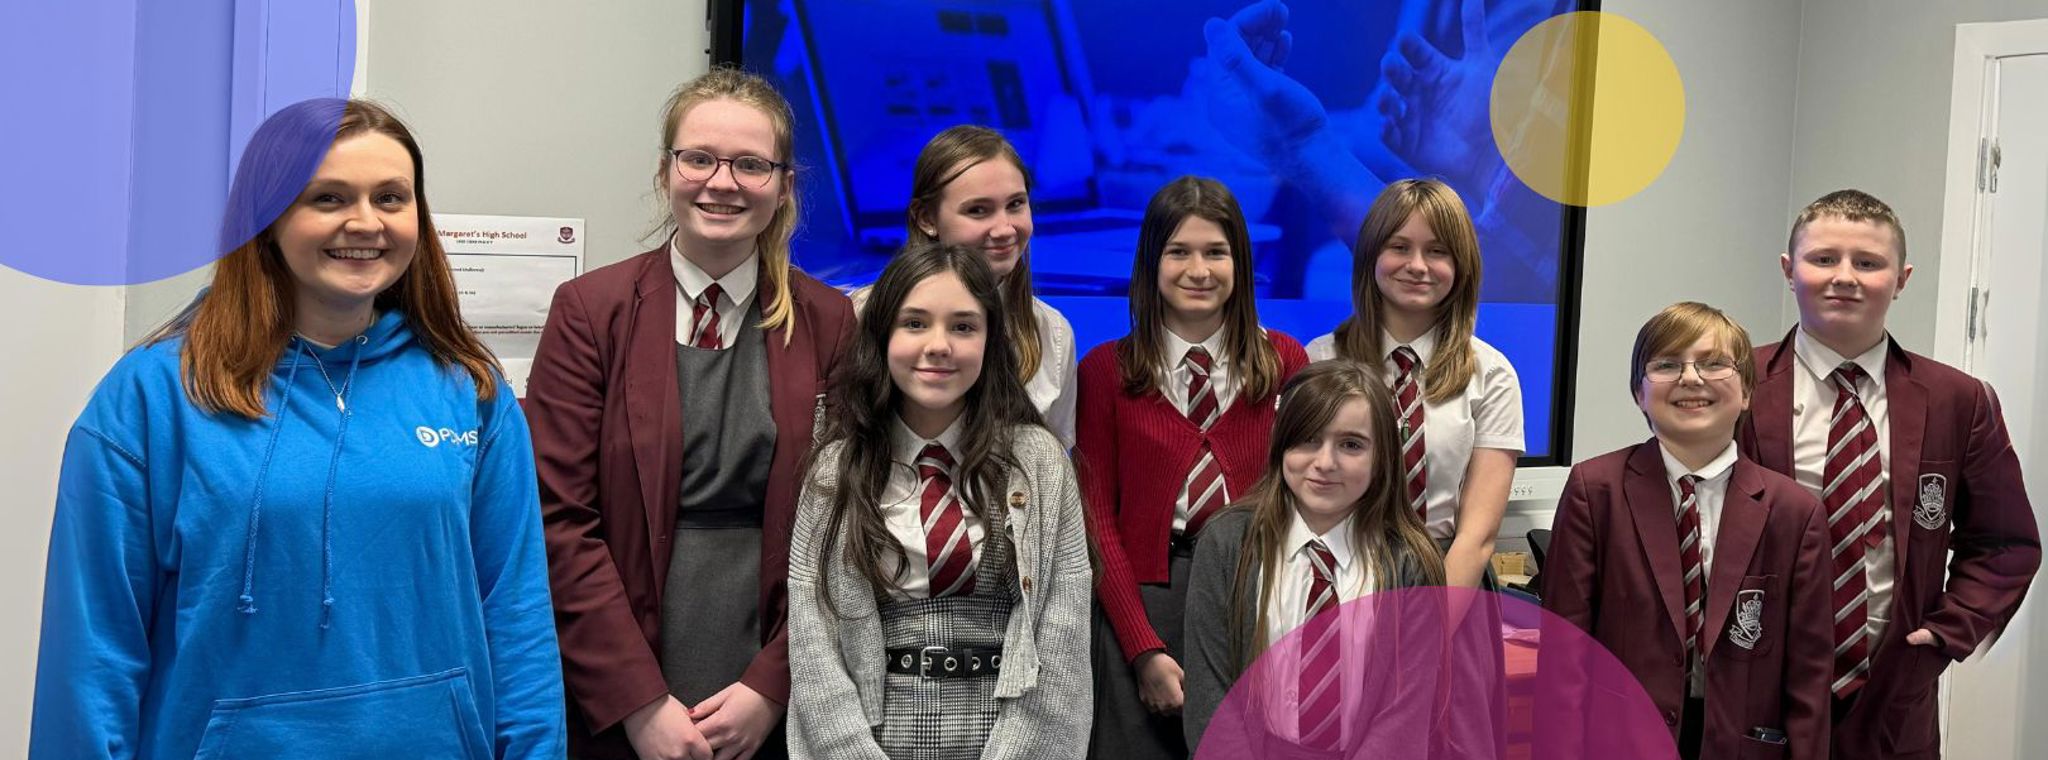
[[422, 716]]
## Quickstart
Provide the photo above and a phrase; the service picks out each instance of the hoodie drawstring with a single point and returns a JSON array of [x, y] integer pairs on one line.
[[247, 602], [327, 500]]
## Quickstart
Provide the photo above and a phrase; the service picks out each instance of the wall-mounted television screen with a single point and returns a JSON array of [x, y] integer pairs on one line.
[[1305, 110]]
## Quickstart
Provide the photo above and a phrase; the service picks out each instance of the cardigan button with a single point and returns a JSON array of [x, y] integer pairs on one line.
[[1017, 500], [1026, 584]]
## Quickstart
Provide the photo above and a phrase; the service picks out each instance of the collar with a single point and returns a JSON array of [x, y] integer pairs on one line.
[[1715, 472], [1338, 539], [1822, 361], [1177, 348], [907, 445], [1424, 345], [738, 284]]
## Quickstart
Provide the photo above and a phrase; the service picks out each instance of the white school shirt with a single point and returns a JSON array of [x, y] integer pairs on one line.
[[1287, 610], [1709, 495], [903, 506], [738, 296], [1176, 391], [1486, 415], [1813, 409], [1052, 387]]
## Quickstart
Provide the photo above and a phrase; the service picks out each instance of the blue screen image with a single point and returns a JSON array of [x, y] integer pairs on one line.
[[1304, 113]]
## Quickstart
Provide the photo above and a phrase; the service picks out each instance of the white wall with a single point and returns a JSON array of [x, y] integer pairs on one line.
[[1710, 228], [59, 340], [1873, 114]]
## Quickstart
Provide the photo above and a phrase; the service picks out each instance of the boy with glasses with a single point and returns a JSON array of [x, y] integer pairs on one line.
[[1704, 574], [1933, 541]]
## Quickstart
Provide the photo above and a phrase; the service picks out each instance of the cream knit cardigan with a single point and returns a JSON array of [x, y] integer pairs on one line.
[[1046, 687]]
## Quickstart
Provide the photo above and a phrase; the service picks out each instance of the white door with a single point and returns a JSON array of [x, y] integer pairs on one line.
[[1994, 701]]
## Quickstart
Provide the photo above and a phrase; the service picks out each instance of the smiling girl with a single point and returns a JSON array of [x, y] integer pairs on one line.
[[1326, 525], [1174, 421], [673, 399], [939, 568], [299, 519], [971, 189]]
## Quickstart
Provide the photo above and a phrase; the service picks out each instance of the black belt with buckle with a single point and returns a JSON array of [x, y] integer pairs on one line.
[[946, 662]]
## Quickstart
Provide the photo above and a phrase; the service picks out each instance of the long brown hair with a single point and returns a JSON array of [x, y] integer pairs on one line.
[[728, 83], [1383, 528], [236, 332], [950, 154], [1142, 354], [1358, 338], [865, 403]]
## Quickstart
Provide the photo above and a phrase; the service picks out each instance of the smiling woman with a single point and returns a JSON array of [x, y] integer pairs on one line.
[[257, 469]]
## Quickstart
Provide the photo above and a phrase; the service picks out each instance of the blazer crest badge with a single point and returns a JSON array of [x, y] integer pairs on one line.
[[1931, 510]]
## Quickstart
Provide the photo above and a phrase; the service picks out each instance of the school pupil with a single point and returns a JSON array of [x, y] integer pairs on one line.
[[1934, 538], [1327, 524], [252, 554], [939, 572], [673, 398], [1705, 574], [1415, 299], [1174, 423], [970, 188]]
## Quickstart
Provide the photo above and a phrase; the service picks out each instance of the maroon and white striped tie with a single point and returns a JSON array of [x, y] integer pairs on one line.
[[1852, 489], [1408, 403], [1203, 487], [1320, 692], [704, 319], [1695, 570], [948, 553]]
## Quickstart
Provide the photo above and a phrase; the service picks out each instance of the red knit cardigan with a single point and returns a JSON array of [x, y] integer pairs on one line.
[[1133, 452]]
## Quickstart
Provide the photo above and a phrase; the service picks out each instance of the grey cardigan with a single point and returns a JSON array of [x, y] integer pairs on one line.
[[1047, 692], [1210, 669]]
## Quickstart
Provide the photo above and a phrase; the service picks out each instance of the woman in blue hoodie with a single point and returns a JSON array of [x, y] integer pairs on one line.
[[300, 520]]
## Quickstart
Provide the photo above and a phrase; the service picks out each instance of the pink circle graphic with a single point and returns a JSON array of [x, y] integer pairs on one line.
[[1434, 673]]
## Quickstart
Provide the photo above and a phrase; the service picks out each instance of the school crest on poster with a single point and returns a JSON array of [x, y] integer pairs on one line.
[[1748, 627], [1932, 509]]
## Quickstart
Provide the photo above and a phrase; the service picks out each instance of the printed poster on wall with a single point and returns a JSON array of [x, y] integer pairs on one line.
[[506, 271]]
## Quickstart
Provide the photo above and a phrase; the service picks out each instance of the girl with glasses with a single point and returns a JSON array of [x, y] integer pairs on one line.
[[673, 399]]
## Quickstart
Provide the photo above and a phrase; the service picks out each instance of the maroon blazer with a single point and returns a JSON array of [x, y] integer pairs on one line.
[[1613, 570], [607, 433], [1947, 434]]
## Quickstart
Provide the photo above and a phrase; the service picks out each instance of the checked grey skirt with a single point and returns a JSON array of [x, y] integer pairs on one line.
[[950, 718]]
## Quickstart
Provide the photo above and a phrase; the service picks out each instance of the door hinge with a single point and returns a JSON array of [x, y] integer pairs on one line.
[[1991, 168], [1970, 321]]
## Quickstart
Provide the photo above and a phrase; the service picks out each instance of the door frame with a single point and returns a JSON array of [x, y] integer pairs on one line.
[[1959, 307]]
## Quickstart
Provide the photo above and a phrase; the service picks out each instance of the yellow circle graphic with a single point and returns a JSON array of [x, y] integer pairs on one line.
[[1588, 108]]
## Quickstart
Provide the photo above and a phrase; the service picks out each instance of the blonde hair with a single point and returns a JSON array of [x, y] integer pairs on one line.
[[950, 154], [1358, 338], [727, 83]]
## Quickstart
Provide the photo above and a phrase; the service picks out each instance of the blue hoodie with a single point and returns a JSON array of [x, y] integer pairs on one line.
[[318, 583]]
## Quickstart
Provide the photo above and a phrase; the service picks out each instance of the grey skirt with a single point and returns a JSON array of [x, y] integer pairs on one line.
[[1124, 729]]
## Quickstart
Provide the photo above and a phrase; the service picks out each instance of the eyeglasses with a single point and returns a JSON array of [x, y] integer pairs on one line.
[[1670, 370], [699, 166]]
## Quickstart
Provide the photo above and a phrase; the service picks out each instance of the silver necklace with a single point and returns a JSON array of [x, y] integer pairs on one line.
[[322, 366]]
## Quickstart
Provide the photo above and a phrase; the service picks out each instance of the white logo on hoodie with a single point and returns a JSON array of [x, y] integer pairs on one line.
[[431, 437]]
